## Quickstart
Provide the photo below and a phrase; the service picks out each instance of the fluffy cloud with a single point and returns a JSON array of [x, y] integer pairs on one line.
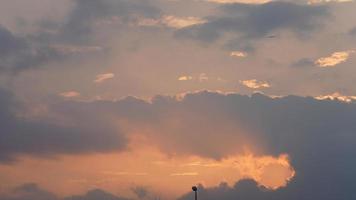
[[238, 54], [334, 59], [337, 96], [255, 84], [185, 78]]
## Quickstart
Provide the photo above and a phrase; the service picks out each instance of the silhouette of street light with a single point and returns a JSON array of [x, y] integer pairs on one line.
[[195, 189]]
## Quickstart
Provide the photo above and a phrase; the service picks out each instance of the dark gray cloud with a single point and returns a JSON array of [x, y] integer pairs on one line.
[[9, 42], [304, 62], [256, 21], [28, 191], [81, 21], [76, 35], [318, 135], [243, 190], [21, 136], [140, 191], [31, 191], [95, 194], [18, 52], [353, 32]]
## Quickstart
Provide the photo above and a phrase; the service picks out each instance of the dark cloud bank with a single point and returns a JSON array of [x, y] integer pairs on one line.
[[31, 191], [19, 136], [250, 22], [319, 136]]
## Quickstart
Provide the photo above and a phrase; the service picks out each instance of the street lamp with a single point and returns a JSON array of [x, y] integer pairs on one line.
[[195, 189]]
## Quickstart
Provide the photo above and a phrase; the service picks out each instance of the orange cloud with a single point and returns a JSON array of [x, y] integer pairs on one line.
[[255, 84], [147, 166], [185, 174], [238, 54], [334, 59], [70, 94], [185, 78], [103, 77], [337, 96]]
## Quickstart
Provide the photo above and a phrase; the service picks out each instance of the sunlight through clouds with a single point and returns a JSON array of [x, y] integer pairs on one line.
[[141, 99]]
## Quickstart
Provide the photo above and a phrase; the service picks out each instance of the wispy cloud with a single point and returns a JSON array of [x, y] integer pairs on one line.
[[72, 49], [185, 78], [70, 94], [125, 173], [203, 77], [255, 84], [201, 164], [185, 174], [239, 1], [238, 54], [172, 21], [334, 59], [328, 1], [176, 22], [103, 77]]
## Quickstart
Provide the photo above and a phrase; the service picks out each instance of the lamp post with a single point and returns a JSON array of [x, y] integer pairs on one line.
[[195, 189]]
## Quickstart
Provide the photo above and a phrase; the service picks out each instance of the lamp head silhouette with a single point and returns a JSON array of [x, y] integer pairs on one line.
[[195, 189]]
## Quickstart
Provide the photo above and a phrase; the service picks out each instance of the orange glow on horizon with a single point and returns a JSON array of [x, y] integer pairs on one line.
[[147, 166]]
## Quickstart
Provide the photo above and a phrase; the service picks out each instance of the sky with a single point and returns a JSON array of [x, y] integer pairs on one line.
[[142, 99]]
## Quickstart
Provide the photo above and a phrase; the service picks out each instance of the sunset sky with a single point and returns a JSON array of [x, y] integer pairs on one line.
[[142, 99]]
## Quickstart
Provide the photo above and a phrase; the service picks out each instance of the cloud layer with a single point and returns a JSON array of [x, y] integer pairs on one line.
[[75, 36], [31, 191], [318, 135], [22, 136], [255, 21]]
